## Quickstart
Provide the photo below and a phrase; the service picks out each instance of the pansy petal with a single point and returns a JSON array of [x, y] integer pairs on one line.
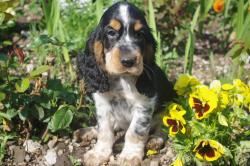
[[182, 128], [165, 120], [212, 156], [173, 130], [198, 145], [199, 156]]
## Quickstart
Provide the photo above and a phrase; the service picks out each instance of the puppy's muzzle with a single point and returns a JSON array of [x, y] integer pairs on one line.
[[128, 57]]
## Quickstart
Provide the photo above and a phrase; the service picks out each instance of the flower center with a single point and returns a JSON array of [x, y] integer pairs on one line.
[[199, 107], [207, 150]]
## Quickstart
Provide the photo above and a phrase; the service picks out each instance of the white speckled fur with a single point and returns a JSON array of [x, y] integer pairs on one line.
[[131, 108]]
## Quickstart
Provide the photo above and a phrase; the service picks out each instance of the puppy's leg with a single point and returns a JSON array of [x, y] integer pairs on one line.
[[105, 137], [135, 139], [156, 138]]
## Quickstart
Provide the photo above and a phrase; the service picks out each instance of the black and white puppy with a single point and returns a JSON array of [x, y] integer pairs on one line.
[[128, 88]]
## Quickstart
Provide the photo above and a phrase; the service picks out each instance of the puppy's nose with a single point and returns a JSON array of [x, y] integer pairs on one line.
[[128, 62]]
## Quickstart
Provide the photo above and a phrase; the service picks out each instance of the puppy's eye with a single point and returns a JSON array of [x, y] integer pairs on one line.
[[140, 34], [112, 33]]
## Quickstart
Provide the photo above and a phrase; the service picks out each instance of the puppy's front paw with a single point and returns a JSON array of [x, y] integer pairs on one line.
[[95, 158], [155, 143], [85, 134], [130, 160]]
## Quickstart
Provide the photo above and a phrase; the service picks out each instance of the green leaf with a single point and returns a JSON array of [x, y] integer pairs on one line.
[[222, 119], [23, 114], [12, 113], [39, 112], [5, 4], [235, 51], [4, 115], [245, 146], [22, 85], [2, 96], [240, 18], [62, 118], [39, 70], [2, 17]]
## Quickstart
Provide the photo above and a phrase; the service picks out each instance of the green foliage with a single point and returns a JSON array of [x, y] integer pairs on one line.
[[189, 51], [62, 118], [55, 28], [29, 97], [4, 14], [3, 140], [241, 44], [156, 34]]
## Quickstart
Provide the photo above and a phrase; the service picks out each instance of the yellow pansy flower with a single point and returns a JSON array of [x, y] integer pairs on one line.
[[185, 83], [175, 121], [227, 87], [241, 88], [177, 162], [223, 96], [203, 101], [209, 150], [151, 152]]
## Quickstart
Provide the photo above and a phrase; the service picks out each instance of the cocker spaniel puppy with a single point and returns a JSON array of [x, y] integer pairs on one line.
[[128, 88]]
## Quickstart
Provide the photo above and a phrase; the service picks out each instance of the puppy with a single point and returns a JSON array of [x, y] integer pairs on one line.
[[128, 88]]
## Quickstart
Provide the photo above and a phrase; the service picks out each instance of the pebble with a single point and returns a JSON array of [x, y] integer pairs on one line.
[[93, 141], [19, 154], [50, 157], [51, 143], [60, 152], [31, 146], [154, 163], [27, 158], [71, 148]]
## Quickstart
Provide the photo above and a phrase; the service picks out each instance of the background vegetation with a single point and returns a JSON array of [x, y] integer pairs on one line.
[[39, 40]]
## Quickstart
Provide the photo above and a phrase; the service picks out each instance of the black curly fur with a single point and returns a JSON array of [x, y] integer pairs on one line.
[[95, 79]]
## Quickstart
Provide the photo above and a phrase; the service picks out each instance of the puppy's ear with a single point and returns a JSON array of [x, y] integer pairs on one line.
[[150, 49], [90, 65]]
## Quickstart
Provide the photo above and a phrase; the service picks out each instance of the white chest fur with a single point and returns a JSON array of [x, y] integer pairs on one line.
[[122, 102]]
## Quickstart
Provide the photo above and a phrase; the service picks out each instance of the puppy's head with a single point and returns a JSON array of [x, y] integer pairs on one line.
[[123, 42]]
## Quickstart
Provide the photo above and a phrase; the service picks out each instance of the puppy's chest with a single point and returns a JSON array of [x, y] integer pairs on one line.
[[123, 96], [123, 99]]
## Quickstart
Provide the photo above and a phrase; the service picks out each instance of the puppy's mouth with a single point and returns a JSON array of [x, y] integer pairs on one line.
[[134, 71]]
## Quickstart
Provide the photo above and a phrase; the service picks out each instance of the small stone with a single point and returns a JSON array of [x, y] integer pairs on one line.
[[60, 152], [76, 144], [31, 146], [71, 148], [11, 150], [93, 141], [146, 162], [19, 154], [67, 141], [61, 145], [154, 163], [51, 143], [50, 157], [27, 158]]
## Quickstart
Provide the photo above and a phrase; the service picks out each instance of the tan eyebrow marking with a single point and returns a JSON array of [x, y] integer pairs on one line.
[[115, 24], [138, 25]]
